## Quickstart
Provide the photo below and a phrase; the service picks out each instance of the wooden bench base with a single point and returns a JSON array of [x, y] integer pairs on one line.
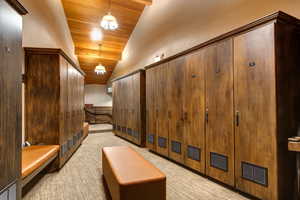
[[130, 177]]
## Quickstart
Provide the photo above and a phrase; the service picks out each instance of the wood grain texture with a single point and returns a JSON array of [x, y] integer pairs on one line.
[[129, 107], [11, 60], [151, 109], [54, 100], [162, 108], [255, 100], [264, 97], [194, 109], [83, 16], [175, 87], [218, 62], [288, 97]]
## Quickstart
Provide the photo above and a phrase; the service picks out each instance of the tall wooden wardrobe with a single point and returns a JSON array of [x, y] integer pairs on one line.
[[54, 100], [226, 107], [11, 60], [129, 101]]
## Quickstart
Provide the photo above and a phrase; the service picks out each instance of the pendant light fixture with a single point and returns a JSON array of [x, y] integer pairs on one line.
[[109, 22], [100, 69]]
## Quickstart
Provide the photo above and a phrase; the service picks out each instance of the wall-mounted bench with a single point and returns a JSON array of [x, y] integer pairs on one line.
[[130, 177], [35, 159]]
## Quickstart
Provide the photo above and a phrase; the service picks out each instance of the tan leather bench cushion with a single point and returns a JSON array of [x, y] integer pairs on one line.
[[34, 157], [130, 176]]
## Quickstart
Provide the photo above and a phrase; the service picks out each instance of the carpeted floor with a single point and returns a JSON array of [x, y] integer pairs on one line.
[[80, 178]]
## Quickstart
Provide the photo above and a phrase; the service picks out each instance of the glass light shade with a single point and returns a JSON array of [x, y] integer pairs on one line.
[[100, 69], [109, 22], [96, 34]]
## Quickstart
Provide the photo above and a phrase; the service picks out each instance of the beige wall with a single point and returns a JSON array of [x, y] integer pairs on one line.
[[96, 94], [171, 26], [46, 26]]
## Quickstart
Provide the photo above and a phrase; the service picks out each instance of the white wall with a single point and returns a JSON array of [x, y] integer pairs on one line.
[[96, 94], [45, 26], [171, 26]]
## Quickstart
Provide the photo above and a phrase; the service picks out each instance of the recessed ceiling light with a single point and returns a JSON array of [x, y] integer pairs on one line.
[[96, 34]]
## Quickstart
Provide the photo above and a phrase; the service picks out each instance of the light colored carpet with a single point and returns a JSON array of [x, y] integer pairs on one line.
[[80, 178], [97, 128]]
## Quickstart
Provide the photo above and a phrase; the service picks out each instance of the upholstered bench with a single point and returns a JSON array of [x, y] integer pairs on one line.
[[35, 159], [130, 177]]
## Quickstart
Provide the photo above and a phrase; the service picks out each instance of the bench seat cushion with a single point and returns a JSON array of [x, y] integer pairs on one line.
[[129, 176], [34, 157]]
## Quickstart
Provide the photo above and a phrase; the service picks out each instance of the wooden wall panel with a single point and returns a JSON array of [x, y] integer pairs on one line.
[[252, 101], [255, 100], [194, 109], [129, 107], [54, 101], [42, 93], [175, 87], [64, 125], [11, 58], [151, 109], [162, 97], [218, 64]]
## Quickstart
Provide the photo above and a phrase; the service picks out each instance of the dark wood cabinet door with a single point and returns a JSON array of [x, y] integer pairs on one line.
[[151, 109], [162, 124], [218, 64], [11, 57], [255, 102], [63, 124], [194, 112], [175, 108]]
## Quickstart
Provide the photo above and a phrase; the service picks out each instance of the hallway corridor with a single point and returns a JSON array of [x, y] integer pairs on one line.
[[80, 178]]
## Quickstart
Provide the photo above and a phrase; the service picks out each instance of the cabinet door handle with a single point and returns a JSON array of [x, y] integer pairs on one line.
[[206, 115], [237, 120]]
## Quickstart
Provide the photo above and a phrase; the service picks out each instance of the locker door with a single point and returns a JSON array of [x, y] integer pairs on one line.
[[255, 101], [151, 109], [218, 64], [135, 107], [194, 112], [162, 145], [115, 107], [175, 108], [130, 92]]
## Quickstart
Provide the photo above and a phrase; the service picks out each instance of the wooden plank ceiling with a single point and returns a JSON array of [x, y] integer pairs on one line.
[[84, 15]]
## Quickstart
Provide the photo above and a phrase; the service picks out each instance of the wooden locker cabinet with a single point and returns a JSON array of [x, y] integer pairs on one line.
[[174, 95], [151, 121], [194, 109], [162, 114], [11, 61], [234, 98], [218, 63], [54, 101], [129, 107]]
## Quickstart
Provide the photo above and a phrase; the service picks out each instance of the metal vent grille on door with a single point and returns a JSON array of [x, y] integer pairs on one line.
[[176, 147], [70, 143], [64, 149], [162, 142], [193, 153], [136, 134], [219, 161], [150, 138], [129, 131], [255, 173]]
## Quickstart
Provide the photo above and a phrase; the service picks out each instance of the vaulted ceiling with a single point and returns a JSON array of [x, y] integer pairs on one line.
[[84, 15]]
